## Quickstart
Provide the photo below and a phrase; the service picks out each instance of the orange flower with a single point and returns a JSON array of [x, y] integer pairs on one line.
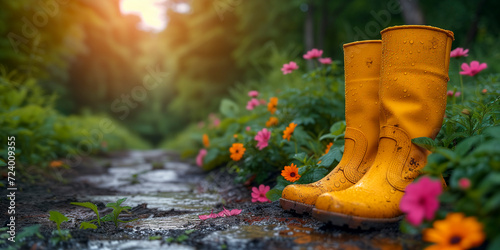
[[272, 121], [206, 141], [235, 136], [328, 148], [237, 151], [56, 164], [271, 106], [289, 131], [291, 173], [455, 232]]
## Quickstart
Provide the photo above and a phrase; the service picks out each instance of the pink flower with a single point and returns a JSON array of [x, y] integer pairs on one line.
[[252, 104], [259, 194], [450, 93], [464, 183], [314, 53], [200, 156], [262, 101], [326, 60], [459, 52], [253, 93], [216, 122], [473, 68], [288, 68], [227, 213], [263, 137], [421, 200], [248, 128]]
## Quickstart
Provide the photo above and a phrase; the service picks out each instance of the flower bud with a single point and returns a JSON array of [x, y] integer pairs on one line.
[[466, 112]]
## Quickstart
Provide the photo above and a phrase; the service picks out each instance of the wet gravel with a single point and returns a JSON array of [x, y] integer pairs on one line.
[[166, 196]]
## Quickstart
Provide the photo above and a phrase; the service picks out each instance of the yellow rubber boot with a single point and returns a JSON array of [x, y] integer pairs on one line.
[[362, 77], [414, 75]]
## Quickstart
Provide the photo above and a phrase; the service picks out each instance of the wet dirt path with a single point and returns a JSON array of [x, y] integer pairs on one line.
[[166, 196]]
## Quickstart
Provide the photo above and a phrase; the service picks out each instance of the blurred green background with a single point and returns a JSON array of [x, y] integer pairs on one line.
[[158, 77]]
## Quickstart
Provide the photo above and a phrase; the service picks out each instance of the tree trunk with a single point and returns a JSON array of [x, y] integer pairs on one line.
[[412, 14], [309, 32]]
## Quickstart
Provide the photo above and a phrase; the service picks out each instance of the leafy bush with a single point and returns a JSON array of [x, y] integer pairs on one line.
[[42, 134]]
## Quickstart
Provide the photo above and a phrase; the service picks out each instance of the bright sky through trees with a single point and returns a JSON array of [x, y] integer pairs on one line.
[[151, 12]]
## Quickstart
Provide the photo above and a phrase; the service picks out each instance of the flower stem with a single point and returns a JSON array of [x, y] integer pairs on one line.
[[462, 87]]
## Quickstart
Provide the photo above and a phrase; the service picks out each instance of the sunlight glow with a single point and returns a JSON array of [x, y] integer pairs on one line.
[[151, 12]]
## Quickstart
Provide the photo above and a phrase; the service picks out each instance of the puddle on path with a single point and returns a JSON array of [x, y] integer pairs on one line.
[[303, 236], [180, 201], [133, 245]]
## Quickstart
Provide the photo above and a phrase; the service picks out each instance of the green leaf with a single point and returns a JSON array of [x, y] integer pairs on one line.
[[494, 244], [228, 108], [157, 237], [302, 157], [190, 231], [28, 232], [333, 155], [87, 225], [425, 142], [88, 205], [169, 240], [182, 238], [338, 128], [274, 194], [58, 218]]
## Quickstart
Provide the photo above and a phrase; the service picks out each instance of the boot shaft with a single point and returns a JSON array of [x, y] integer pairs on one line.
[[362, 77], [414, 76]]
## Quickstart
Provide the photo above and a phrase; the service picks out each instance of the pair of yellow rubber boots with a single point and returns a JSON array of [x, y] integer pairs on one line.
[[395, 90]]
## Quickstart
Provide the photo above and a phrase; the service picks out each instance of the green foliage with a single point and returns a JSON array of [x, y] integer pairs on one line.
[[476, 159], [117, 209], [181, 238], [94, 208], [21, 237], [42, 134], [57, 218], [59, 235]]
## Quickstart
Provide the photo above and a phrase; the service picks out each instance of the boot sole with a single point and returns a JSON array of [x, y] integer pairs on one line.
[[354, 222], [296, 207]]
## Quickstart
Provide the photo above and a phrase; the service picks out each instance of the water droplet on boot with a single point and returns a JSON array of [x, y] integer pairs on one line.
[[405, 90], [406, 73], [342, 179], [337, 184], [376, 103], [412, 64], [395, 78], [393, 191], [411, 41], [404, 41]]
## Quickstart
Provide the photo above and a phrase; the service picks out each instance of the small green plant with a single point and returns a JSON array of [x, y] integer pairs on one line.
[[87, 225], [117, 209], [181, 238], [59, 235]]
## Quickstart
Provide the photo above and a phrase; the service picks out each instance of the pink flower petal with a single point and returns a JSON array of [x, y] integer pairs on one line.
[[235, 211], [415, 218]]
